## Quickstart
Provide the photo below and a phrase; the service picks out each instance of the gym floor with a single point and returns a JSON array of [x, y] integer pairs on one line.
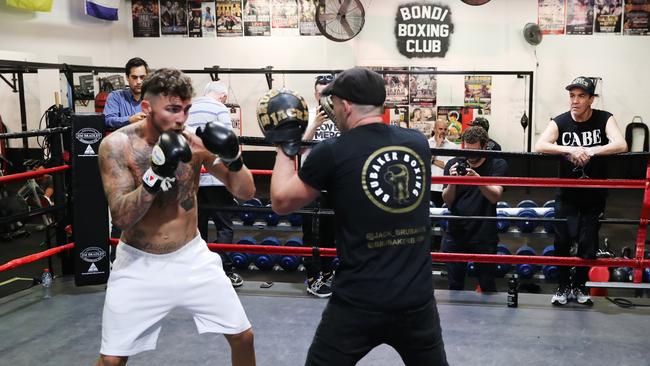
[[477, 330]]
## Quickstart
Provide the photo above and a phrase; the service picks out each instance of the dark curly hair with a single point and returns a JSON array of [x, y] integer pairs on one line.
[[135, 62], [475, 134], [168, 82]]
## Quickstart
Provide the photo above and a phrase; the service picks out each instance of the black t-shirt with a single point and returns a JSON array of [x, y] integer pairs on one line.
[[588, 133], [378, 178], [493, 145], [470, 201]]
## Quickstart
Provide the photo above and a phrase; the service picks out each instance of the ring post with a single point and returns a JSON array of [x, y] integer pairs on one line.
[[90, 210]]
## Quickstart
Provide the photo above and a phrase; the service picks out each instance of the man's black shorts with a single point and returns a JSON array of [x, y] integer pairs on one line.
[[346, 334]]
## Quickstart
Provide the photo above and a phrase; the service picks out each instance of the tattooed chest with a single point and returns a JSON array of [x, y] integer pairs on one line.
[[184, 188]]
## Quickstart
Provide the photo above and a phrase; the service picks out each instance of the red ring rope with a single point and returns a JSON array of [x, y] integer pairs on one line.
[[540, 182], [35, 257], [33, 173], [331, 252]]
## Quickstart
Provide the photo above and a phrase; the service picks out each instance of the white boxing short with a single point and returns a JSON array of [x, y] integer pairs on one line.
[[143, 288]]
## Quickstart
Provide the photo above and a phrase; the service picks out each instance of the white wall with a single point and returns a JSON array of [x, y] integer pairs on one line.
[[486, 37]]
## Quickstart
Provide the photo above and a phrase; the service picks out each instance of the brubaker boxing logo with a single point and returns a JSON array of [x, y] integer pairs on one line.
[[393, 179], [423, 29]]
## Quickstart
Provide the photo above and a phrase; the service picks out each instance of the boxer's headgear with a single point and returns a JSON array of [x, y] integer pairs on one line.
[[283, 117]]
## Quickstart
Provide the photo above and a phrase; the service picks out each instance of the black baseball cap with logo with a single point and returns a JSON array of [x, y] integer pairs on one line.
[[358, 85], [583, 83]]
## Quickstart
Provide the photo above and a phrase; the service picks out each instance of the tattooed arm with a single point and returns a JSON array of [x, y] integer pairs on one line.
[[239, 183], [127, 201]]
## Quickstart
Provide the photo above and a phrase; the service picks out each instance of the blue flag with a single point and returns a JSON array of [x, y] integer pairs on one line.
[[103, 9]]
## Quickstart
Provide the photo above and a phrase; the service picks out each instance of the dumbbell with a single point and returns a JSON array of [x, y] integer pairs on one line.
[[266, 262], [295, 219], [549, 270], [527, 204], [527, 226], [502, 268], [243, 260], [526, 270], [549, 204], [502, 225], [248, 217], [502, 204], [646, 275], [444, 223], [291, 262], [335, 263], [621, 274], [549, 226], [271, 218], [471, 269]]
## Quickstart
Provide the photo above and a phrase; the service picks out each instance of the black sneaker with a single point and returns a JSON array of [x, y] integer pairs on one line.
[[235, 279], [581, 294], [328, 278], [318, 287], [561, 296]]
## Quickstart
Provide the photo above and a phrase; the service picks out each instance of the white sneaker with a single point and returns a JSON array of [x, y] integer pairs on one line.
[[235, 279], [561, 296], [581, 294], [318, 287]]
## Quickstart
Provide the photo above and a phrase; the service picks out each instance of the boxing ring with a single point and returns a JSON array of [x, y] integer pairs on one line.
[[477, 328]]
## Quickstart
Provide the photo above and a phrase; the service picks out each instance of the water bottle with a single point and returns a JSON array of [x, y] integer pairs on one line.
[[513, 296], [46, 281]]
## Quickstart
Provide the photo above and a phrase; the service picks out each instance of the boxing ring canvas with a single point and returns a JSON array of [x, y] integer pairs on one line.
[[477, 330]]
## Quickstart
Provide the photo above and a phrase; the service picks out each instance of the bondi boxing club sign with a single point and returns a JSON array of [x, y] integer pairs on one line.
[[423, 29]]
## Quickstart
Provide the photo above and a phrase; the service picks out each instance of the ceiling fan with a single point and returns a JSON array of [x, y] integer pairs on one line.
[[340, 20]]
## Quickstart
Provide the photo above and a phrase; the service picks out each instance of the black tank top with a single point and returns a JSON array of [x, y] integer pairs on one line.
[[588, 133]]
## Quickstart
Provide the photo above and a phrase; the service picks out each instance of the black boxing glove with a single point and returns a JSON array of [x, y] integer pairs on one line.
[[168, 151], [222, 141]]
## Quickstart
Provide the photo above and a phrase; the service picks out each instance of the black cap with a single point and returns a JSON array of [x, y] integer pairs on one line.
[[583, 83], [358, 85]]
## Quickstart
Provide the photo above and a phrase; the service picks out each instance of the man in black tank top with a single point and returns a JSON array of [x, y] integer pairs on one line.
[[378, 179], [579, 135]]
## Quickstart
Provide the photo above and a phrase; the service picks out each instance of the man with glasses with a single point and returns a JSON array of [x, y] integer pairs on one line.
[[578, 135], [319, 230]]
